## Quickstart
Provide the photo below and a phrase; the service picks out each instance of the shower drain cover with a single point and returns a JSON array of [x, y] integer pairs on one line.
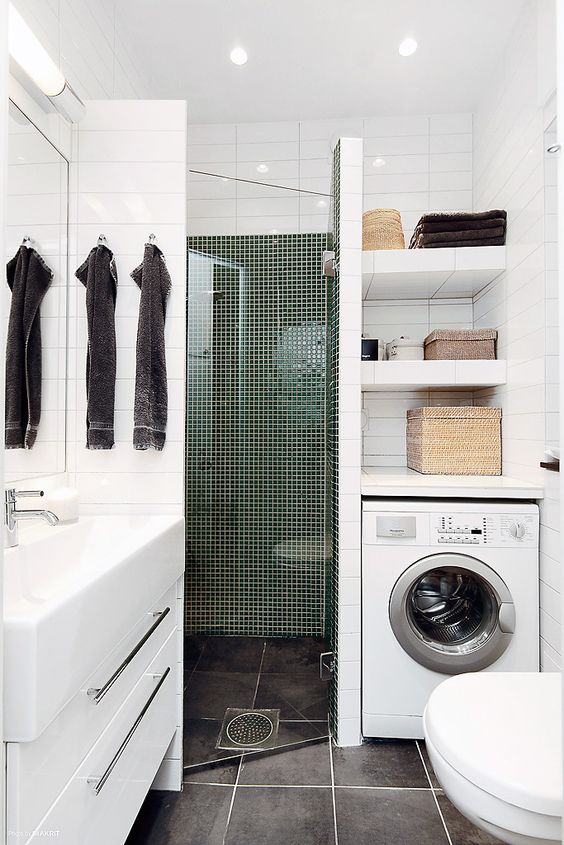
[[252, 729]]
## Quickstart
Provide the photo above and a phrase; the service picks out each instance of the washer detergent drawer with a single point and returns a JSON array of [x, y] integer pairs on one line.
[[101, 801], [37, 771]]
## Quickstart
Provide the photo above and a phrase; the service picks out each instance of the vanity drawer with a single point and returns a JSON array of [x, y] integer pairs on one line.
[[38, 770], [101, 800]]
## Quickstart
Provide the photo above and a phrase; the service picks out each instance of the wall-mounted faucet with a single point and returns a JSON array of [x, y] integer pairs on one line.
[[13, 515]]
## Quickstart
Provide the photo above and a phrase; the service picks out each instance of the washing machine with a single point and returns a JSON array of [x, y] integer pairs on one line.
[[447, 587]]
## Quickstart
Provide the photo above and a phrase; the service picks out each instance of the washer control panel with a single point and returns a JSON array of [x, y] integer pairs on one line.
[[484, 529]]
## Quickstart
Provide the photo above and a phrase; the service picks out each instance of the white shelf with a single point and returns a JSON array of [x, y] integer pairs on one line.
[[400, 481], [453, 272], [418, 375]]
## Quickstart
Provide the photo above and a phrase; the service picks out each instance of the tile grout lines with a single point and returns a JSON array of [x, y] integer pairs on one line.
[[241, 758], [333, 792], [434, 792], [233, 799], [312, 786]]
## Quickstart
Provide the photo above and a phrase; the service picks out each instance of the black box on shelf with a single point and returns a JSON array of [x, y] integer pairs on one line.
[[370, 349]]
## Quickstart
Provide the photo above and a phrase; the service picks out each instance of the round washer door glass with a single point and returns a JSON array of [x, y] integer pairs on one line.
[[452, 613]]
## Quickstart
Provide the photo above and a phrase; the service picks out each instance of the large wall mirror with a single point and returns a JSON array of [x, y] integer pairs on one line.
[[37, 220]]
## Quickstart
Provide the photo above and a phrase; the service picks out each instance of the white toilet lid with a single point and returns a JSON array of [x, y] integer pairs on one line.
[[502, 732]]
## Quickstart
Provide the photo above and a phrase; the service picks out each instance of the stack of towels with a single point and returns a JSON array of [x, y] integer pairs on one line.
[[460, 228]]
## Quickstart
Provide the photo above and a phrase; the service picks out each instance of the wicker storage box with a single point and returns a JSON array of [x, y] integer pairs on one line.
[[382, 229], [460, 344], [454, 441]]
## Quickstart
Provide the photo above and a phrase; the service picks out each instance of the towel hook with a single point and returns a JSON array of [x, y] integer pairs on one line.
[[27, 241], [102, 240], [152, 238]]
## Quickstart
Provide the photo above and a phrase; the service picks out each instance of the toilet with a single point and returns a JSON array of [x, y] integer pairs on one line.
[[494, 739]]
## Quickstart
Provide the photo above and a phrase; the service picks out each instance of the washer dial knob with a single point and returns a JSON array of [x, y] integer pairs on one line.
[[517, 530]]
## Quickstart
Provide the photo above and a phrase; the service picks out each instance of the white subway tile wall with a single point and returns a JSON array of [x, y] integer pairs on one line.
[[509, 173], [127, 214], [414, 164], [147, 195]]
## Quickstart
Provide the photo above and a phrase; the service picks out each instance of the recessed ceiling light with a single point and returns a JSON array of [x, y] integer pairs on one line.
[[321, 203], [407, 47], [262, 168], [238, 56], [379, 162]]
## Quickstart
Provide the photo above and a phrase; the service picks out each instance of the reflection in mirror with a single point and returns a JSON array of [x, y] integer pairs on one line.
[[37, 209], [551, 156]]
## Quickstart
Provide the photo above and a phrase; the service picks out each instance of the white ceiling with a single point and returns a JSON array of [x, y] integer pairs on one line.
[[317, 58]]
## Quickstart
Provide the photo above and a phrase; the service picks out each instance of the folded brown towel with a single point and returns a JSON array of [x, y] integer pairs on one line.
[[483, 222], [456, 216], [458, 225], [447, 238], [481, 242]]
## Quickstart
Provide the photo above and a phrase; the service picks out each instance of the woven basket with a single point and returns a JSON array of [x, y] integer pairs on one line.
[[382, 229], [454, 441], [460, 345]]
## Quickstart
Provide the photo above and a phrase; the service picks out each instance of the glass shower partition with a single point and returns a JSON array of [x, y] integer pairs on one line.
[[257, 550]]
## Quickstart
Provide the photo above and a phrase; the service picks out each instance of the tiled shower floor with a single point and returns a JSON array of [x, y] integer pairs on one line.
[[382, 793]]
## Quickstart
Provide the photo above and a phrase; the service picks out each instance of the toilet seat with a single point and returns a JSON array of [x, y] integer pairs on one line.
[[494, 740]]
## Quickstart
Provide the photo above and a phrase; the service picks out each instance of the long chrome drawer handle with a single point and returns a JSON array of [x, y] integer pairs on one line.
[[96, 694], [96, 783]]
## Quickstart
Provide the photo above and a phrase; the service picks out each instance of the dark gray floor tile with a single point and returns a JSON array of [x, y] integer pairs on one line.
[[219, 771], [231, 654], [306, 730], [429, 765], [296, 696], [196, 816], [200, 737], [209, 694], [387, 763], [193, 647], [463, 832], [281, 816], [388, 817], [296, 654], [307, 765]]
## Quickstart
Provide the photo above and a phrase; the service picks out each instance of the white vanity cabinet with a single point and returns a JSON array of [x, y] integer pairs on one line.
[[85, 777]]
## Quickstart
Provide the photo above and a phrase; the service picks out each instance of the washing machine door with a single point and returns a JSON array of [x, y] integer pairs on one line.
[[452, 613]]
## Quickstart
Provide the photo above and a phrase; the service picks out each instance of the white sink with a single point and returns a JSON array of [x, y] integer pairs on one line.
[[70, 594]]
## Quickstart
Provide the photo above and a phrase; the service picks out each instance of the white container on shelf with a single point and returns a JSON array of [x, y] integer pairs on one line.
[[405, 349]]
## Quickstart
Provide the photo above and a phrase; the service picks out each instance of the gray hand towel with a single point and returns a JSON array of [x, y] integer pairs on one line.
[[151, 393], [28, 278], [99, 276]]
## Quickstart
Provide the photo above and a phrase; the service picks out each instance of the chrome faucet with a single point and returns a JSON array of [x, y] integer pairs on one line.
[[13, 514]]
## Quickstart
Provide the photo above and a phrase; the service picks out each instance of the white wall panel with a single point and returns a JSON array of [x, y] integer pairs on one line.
[[509, 173], [298, 156]]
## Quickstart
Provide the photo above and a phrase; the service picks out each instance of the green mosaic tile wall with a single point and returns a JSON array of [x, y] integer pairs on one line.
[[333, 436], [256, 463]]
